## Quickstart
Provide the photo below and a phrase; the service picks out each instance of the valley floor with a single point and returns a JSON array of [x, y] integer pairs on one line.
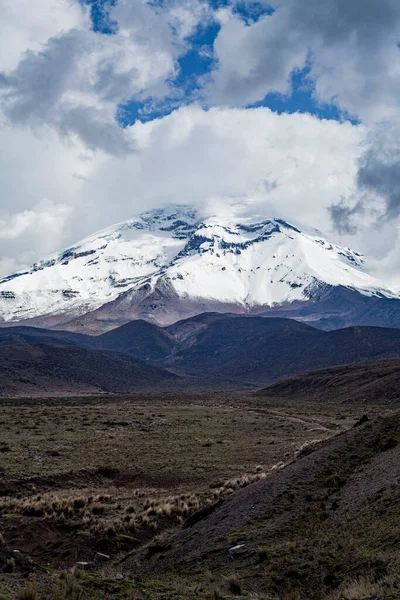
[[91, 488]]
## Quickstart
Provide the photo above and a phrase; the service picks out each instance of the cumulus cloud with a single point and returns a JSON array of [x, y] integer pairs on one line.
[[377, 192], [50, 216], [379, 168], [342, 216], [292, 166], [44, 226], [350, 48], [27, 25], [74, 80]]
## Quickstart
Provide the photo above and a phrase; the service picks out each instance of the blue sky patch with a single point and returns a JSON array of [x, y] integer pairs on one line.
[[130, 112], [302, 100], [199, 59], [250, 12], [99, 13]]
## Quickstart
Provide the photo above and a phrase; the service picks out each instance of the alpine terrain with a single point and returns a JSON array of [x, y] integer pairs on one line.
[[168, 264]]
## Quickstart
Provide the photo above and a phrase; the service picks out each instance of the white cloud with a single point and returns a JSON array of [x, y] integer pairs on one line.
[[270, 163], [43, 226], [264, 162], [350, 47], [26, 25], [45, 216], [253, 60], [72, 78], [61, 84]]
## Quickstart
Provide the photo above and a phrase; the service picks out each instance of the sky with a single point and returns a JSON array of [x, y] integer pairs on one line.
[[285, 108]]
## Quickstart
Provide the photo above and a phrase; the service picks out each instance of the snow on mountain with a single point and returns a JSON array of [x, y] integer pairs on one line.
[[168, 257]]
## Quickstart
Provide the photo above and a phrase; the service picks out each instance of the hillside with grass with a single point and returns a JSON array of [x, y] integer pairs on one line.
[[370, 381], [323, 526]]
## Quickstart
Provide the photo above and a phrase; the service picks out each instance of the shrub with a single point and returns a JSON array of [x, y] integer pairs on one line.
[[79, 503]]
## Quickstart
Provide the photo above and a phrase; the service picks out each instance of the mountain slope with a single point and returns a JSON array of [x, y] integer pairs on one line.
[[168, 264], [257, 349], [34, 369], [35, 335], [376, 381], [138, 338], [326, 520]]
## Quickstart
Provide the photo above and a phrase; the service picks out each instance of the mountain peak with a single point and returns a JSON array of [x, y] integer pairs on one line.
[[170, 212]]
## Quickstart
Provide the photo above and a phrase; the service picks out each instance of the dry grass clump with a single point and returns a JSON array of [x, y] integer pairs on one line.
[[147, 515], [236, 483], [29, 592], [307, 447], [104, 513], [51, 505], [9, 567], [68, 588], [122, 511], [234, 585], [362, 587], [173, 506], [262, 554]]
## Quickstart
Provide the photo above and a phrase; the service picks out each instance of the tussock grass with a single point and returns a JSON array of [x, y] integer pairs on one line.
[[29, 592], [122, 511], [364, 587], [10, 565], [234, 585]]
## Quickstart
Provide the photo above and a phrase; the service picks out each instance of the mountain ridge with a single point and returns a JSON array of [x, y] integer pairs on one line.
[[213, 348]]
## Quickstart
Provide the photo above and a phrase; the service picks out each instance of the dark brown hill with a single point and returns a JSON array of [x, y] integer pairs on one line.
[[257, 349], [216, 347], [35, 335], [34, 369], [376, 381], [138, 338]]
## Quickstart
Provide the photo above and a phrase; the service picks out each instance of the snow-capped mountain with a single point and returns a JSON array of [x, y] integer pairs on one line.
[[168, 264]]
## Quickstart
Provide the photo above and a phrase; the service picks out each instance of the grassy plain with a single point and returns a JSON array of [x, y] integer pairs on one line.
[[94, 480]]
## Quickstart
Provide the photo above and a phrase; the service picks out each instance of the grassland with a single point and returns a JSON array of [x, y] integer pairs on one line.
[[94, 480]]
